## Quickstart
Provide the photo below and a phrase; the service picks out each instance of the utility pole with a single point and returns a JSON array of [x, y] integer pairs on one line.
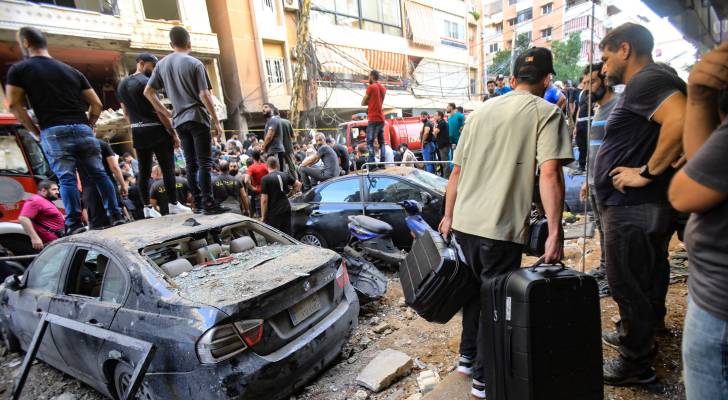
[[302, 43], [513, 45]]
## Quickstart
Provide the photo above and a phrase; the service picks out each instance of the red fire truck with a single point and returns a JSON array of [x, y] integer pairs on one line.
[[22, 166], [396, 131]]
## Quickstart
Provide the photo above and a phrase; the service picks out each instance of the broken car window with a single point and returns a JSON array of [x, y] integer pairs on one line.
[[46, 269]]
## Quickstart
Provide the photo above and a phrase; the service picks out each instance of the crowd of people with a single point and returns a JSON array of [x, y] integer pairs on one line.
[[656, 149]]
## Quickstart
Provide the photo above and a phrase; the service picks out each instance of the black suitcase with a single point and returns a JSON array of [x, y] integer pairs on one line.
[[547, 335], [435, 280]]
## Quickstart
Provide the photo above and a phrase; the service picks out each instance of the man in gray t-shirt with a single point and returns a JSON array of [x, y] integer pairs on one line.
[[604, 96], [187, 85], [331, 163]]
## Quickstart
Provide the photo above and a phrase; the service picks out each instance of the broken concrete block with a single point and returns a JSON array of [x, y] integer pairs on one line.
[[388, 366], [381, 327], [361, 395], [427, 380]]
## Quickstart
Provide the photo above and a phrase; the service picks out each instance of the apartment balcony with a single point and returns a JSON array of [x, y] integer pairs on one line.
[[99, 20]]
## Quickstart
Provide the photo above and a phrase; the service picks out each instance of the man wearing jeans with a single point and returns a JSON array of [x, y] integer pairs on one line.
[[374, 100], [701, 188], [631, 175], [187, 85], [59, 95]]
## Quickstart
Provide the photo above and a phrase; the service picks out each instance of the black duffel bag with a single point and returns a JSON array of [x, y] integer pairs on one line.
[[435, 279]]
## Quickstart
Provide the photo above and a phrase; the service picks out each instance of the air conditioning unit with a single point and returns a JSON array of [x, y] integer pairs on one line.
[[290, 4]]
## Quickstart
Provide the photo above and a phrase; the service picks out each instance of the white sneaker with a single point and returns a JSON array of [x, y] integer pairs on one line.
[[465, 366], [177, 208], [478, 389], [150, 212]]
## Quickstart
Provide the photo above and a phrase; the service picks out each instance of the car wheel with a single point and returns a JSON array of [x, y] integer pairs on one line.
[[312, 238], [122, 380], [9, 341]]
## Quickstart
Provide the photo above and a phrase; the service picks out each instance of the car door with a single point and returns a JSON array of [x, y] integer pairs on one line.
[[331, 205], [34, 298], [94, 288], [383, 194]]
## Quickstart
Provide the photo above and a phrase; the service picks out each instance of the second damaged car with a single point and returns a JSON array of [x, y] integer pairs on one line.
[[234, 308]]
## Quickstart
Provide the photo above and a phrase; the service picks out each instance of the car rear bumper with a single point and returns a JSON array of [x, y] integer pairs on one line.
[[274, 376]]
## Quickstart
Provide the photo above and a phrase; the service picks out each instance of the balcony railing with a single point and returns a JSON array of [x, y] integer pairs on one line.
[[108, 7]]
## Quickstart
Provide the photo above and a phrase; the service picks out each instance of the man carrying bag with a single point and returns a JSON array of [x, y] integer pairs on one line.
[[511, 137]]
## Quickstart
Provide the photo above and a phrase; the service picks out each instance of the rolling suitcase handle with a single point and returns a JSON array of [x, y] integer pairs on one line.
[[547, 269]]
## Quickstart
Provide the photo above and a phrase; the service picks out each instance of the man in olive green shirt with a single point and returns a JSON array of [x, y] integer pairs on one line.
[[490, 191]]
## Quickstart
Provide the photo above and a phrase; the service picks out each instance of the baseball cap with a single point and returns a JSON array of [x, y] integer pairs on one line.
[[147, 57], [535, 62], [500, 77]]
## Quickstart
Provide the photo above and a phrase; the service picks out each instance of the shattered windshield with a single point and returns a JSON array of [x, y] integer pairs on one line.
[[427, 179]]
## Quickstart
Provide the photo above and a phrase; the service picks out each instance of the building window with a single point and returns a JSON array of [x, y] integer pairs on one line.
[[511, 22], [546, 33], [498, 28], [377, 16], [101, 6], [274, 70], [512, 2], [268, 6], [493, 47], [161, 9], [453, 30], [524, 15], [547, 8]]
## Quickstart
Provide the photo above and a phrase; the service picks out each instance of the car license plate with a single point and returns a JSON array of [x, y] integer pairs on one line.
[[304, 309]]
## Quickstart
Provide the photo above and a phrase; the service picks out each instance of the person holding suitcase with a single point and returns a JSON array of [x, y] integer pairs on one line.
[[510, 136]]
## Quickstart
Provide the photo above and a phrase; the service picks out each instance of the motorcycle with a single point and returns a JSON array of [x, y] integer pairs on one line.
[[371, 240], [416, 224]]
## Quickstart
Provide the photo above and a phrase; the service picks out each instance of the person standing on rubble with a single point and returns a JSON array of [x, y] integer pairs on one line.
[[187, 85], [701, 188], [631, 173], [152, 135], [603, 95], [60, 96], [510, 136]]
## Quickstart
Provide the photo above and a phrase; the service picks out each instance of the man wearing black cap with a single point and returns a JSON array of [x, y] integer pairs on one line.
[[509, 137], [152, 134]]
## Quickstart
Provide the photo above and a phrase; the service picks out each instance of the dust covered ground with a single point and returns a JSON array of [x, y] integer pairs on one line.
[[432, 346]]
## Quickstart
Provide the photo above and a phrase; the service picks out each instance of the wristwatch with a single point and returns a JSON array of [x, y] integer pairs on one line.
[[645, 173]]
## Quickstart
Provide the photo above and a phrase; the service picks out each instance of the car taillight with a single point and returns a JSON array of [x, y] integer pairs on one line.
[[251, 331], [219, 343], [342, 276]]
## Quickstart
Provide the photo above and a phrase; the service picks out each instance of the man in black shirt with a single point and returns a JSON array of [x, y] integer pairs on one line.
[[274, 205], [583, 119], [701, 188], [631, 174], [60, 97], [227, 189], [342, 153], [427, 139], [152, 134], [442, 138]]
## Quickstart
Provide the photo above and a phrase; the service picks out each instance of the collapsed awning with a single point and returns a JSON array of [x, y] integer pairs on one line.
[[390, 64], [341, 59], [421, 24]]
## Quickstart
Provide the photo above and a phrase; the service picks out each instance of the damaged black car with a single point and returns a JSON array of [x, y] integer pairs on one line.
[[234, 308]]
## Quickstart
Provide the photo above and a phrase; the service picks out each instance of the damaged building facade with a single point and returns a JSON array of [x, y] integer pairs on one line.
[[102, 38]]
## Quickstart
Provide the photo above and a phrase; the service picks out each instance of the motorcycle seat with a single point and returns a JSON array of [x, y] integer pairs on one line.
[[371, 224]]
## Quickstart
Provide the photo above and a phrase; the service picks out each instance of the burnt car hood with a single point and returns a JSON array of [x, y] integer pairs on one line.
[[261, 272]]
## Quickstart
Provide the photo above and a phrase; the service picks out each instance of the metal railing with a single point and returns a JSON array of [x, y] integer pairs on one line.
[[365, 167]]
